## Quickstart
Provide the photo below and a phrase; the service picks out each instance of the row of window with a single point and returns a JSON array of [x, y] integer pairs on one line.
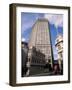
[[41, 25], [40, 61]]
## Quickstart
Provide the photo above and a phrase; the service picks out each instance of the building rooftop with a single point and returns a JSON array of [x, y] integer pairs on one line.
[[42, 19]]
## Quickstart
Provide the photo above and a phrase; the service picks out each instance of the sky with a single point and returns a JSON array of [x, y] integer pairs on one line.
[[55, 23]]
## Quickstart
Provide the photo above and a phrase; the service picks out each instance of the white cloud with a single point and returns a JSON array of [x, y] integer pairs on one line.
[[55, 19], [26, 25], [23, 40]]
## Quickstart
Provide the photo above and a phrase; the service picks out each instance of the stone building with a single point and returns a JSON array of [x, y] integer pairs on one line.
[[36, 62], [59, 46]]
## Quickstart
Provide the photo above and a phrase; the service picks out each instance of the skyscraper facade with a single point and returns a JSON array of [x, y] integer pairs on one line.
[[41, 39]]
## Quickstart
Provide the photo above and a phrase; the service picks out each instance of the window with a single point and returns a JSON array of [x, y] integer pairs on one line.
[[59, 47]]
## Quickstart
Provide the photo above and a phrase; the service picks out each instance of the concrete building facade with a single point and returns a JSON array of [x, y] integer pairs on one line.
[[41, 39]]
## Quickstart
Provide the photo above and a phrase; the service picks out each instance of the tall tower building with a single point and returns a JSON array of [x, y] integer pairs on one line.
[[41, 39]]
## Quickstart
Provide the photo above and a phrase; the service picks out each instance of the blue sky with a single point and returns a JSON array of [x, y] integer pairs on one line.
[[55, 23]]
